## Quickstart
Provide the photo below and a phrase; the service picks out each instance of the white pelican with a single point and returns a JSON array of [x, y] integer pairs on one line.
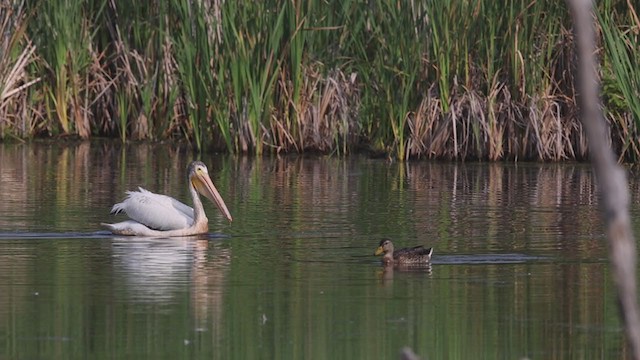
[[160, 215]]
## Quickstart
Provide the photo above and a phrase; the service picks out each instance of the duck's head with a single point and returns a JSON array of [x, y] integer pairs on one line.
[[385, 247]]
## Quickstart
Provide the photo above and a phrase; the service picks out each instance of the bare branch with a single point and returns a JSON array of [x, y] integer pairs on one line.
[[612, 181]]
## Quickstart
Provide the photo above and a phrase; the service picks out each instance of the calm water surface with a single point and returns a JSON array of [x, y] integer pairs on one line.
[[520, 266]]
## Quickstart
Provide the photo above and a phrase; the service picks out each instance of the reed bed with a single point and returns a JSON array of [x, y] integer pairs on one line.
[[410, 79]]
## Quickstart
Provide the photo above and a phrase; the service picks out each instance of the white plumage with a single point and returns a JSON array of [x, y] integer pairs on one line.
[[157, 211], [154, 214]]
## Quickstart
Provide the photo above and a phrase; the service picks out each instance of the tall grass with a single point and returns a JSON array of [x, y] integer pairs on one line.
[[16, 53], [253, 43], [471, 79], [66, 56], [192, 53], [622, 45]]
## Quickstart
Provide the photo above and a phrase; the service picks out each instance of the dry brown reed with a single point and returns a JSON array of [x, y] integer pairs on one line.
[[14, 77]]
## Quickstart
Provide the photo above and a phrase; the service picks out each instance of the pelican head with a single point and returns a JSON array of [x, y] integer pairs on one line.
[[199, 179]]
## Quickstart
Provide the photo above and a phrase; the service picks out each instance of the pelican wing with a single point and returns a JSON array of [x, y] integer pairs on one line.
[[156, 211]]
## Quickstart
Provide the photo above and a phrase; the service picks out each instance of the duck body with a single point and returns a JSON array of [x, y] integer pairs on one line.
[[417, 255]]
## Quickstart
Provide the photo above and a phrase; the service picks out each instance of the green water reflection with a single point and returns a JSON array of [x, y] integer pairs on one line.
[[293, 276]]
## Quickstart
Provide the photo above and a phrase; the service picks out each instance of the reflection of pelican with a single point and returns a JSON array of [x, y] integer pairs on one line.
[[160, 215], [153, 271], [416, 255]]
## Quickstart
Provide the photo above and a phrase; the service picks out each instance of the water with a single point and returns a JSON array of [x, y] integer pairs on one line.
[[520, 265]]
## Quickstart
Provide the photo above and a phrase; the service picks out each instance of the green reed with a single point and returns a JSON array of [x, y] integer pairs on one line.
[[403, 69], [253, 47], [192, 52], [445, 79], [133, 41], [622, 45], [389, 68], [63, 31], [294, 22]]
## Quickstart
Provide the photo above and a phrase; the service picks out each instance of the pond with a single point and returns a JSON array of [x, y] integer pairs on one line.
[[519, 270]]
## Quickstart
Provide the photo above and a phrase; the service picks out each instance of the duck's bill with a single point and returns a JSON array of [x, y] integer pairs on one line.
[[205, 186], [379, 251]]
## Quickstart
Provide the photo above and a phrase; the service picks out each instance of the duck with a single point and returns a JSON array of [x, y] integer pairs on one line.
[[417, 255]]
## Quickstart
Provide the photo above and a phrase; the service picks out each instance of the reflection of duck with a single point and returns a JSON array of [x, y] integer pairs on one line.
[[416, 255]]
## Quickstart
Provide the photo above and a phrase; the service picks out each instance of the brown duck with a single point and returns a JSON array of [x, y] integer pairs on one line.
[[416, 255]]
